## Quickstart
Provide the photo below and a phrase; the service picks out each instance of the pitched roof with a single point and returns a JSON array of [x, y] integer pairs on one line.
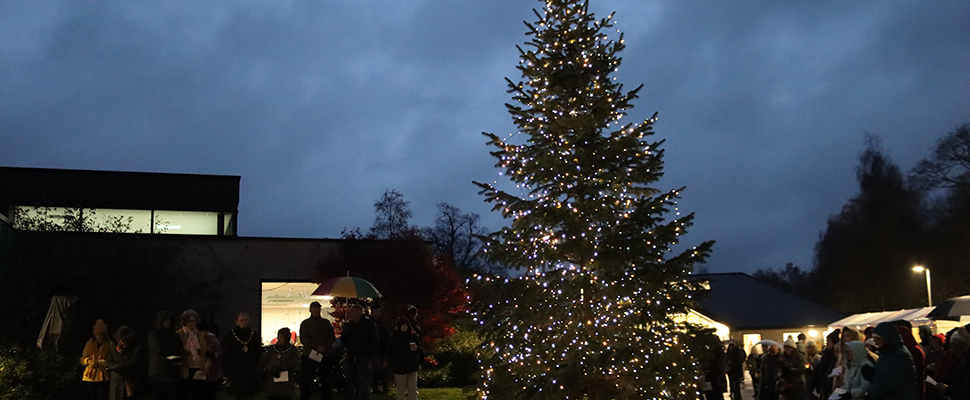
[[742, 302]]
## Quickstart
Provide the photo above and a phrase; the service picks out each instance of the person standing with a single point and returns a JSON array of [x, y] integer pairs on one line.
[[316, 334], [242, 352], [821, 385], [405, 358], [894, 373], [360, 339], [793, 372], [125, 363], [280, 362], [770, 370], [715, 372], [735, 369], [164, 347], [856, 381], [196, 357], [382, 372], [95, 377]]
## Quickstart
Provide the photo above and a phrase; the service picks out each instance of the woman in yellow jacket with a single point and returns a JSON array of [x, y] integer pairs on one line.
[[96, 377]]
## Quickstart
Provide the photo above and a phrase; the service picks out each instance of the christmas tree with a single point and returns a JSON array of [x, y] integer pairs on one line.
[[596, 313]]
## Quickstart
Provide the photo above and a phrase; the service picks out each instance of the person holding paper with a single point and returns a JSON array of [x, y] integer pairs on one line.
[[196, 357], [280, 362], [316, 334]]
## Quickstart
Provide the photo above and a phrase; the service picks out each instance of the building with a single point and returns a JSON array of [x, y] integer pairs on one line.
[[154, 203], [270, 278], [748, 311]]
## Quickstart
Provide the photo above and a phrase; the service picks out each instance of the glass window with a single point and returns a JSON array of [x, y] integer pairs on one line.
[[127, 221], [186, 222]]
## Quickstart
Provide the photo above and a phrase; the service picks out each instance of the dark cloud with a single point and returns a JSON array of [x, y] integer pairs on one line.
[[321, 106]]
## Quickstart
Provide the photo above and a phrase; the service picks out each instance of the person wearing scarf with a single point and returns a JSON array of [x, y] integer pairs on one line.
[[195, 357]]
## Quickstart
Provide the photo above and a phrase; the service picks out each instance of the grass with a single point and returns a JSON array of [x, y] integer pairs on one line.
[[423, 394]]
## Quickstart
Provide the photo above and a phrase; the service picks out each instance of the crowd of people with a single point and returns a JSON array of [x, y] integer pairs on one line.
[[884, 362], [181, 359]]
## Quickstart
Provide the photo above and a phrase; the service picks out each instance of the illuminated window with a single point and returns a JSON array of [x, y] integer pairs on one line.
[[186, 222], [129, 221], [750, 340], [286, 304]]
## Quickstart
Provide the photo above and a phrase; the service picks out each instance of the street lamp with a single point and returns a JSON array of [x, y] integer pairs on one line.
[[929, 293]]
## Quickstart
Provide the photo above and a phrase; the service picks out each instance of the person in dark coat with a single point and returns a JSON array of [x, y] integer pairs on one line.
[[919, 358], [382, 373], [242, 351], [280, 362], [735, 369], [770, 369], [793, 372], [164, 348], [360, 339], [317, 337], [715, 372], [894, 373], [405, 357], [821, 385], [754, 369], [125, 361]]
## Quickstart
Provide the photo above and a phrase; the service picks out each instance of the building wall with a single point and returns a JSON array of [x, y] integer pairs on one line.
[[244, 263]]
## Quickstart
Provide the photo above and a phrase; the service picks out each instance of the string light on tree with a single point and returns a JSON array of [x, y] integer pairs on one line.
[[594, 315]]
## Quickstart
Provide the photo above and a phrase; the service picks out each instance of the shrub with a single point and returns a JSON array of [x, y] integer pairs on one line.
[[28, 373]]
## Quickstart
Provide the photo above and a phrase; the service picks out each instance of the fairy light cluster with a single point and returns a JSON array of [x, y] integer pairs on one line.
[[593, 314]]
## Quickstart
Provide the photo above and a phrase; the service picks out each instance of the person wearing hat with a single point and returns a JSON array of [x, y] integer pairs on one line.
[[95, 376], [793, 372], [316, 335], [125, 363], [894, 373]]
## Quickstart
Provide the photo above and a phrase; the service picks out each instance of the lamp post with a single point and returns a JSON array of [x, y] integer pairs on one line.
[[929, 293]]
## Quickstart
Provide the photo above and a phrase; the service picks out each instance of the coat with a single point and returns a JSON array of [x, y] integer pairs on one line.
[[242, 367], [210, 352], [855, 375], [127, 370], [894, 374], [402, 359], [275, 360], [93, 359], [163, 343]]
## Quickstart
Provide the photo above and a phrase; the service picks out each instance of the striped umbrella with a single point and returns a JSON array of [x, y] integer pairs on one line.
[[347, 286], [951, 309]]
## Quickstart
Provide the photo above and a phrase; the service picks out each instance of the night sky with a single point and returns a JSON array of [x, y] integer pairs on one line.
[[322, 105]]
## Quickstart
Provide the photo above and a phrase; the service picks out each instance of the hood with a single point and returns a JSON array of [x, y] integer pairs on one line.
[[888, 331], [859, 353], [906, 334], [161, 317]]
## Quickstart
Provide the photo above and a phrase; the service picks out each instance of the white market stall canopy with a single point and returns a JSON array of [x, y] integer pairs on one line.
[[874, 318], [917, 316]]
